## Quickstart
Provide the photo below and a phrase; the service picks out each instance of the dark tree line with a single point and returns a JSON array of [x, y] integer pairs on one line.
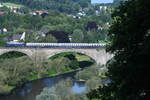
[[129, 69]]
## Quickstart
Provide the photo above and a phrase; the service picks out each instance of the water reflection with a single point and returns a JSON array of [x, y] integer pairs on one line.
[[30, 90], [78, 88]]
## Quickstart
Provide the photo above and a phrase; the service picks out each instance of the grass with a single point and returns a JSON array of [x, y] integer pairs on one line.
[[33, 77], [52, 72], [82, 57], [67, 70], [79, 57], [13, 5], [11, 87]]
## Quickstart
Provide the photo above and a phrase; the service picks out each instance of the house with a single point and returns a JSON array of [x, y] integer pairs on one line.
[[12, 8], [32, 13], [86, 9], [97, 13], [18, 37], [6, 39], [1, 5], [76, 16], [81, 14], [103, 8], [43, 32], [2, 30], [69, 15], [40, 12], [2, 12], [23, 36], [100, 27], [70, 37]]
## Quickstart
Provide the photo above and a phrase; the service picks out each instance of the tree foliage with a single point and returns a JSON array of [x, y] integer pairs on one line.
[[67, 6], [77, 36], [129, 69]]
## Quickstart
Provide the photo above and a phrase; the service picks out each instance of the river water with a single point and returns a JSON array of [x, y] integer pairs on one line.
[[30, 90]]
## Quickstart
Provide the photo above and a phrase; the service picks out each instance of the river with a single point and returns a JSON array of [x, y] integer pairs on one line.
[[30, 90]]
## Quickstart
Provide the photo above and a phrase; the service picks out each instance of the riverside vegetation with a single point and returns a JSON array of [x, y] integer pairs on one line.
[[93, 78], [17, 68]]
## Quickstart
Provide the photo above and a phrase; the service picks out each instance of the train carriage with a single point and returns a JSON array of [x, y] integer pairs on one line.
[[64, 45]]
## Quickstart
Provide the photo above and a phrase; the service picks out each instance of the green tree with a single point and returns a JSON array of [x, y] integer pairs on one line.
[[128, 72], [62, 91], [59, 65], [46, 95], [93, 83], [88, 73], [92, 36], [77, 36], [24, 10], [15, 70], [51, 39], [2, 41]]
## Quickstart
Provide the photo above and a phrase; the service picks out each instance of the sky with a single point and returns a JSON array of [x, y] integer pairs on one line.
[[101, 1]]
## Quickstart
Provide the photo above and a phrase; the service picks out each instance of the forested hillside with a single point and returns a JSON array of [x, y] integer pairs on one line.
[[81, 23], [68, 6]]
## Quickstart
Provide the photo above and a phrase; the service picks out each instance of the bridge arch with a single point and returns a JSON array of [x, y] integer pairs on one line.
[[56, 53], [100, 56], [26, 52]]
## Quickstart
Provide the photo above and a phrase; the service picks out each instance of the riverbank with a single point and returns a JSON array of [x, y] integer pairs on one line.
[[35, 77], [17, 71], [30, 90]]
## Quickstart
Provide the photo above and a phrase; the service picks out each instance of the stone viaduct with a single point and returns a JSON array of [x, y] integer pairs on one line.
[[98, 54]]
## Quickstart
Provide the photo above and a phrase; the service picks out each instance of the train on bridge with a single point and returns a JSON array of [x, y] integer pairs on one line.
[[65, 45]]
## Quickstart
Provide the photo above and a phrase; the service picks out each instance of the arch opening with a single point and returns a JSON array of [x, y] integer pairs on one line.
[[82, 60], [12, 54]]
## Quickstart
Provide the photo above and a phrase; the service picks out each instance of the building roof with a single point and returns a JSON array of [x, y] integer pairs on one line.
[[39, 11], [16, 37], [61, 36], [45, 31], [2, 12]]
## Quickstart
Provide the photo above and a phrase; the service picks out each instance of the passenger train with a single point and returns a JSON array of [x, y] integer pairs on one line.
[[65, 45]]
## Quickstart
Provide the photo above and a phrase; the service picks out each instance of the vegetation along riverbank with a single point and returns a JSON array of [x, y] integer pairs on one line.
[[17, 68]]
